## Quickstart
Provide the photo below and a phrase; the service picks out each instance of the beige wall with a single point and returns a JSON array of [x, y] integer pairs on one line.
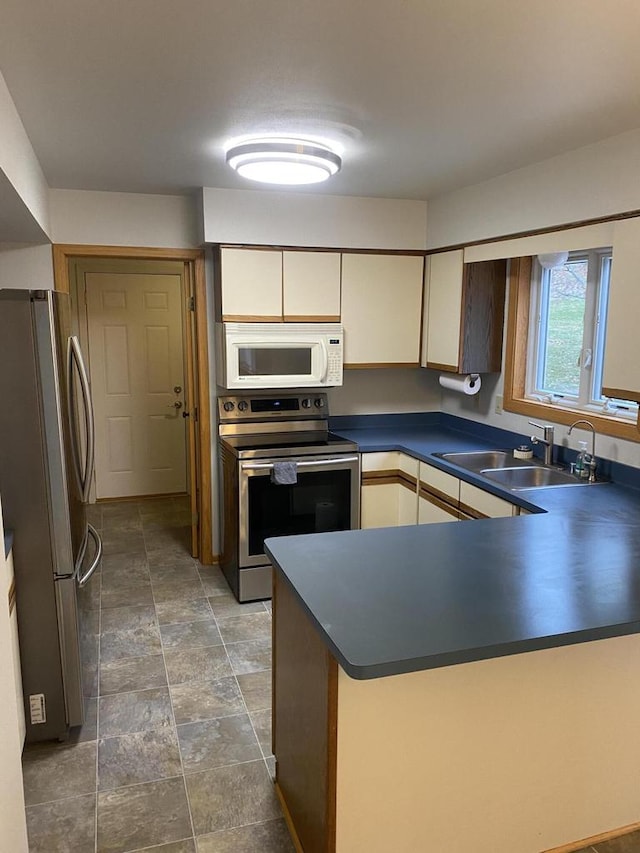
[[13, 832], [590, 182], [19, 162], [380, 391], [312, 219], [123, 219], [512, 755], [26, 266]]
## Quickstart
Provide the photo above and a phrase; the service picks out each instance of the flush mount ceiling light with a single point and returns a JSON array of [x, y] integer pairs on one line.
[[284, 161], [553, 260]]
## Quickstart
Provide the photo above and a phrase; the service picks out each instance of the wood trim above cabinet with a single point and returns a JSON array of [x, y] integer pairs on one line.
[[251, 318], [448, 368], [306, 318], [425, 489], [372, 365], [379, 478]]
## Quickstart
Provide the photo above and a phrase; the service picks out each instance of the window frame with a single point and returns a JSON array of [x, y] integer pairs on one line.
[[517, 350]]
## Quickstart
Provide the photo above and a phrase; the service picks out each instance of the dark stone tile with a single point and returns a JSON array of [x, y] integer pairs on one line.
[[225, 605], [213, 581], [124, 564], [238, 629], [140, 757], [119, 509], [204, 700], [231, 796], [215, 743], [125, 572], [252, 656], [67, 826], [269, 837], [135, 642], [89, 729], [128, 618], [140, 816], [122, 543], [94, 515], [196, 664], [56, 771], [191, 635], [164, 520], [159, 560], [261, 721], [177, 590], [256, 689], [169, 537], [127, 594], [170, 612], [125, 713], [187, 846], [124, 676], [151, 506], [271, 766], [126, 523], [174, 572], [89, 594], [629, 843]]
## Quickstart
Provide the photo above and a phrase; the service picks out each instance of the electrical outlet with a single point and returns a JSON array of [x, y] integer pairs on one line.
[[37, 708], [499, 408]]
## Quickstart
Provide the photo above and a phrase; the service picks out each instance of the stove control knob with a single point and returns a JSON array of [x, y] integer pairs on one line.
[[243, 406], [306, 403], [318, 402], [228, 406]]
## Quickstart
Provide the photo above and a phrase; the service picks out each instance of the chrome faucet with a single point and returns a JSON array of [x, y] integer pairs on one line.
[[547, 441], [593, 462]]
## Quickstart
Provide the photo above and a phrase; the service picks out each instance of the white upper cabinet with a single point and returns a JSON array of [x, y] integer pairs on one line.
[[269, 285], [444, 307], [311, 287], [251, 285], [381, 309], [620, 377]]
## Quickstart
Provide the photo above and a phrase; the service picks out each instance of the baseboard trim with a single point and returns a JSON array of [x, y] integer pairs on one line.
[[595, 839], [288, 820]]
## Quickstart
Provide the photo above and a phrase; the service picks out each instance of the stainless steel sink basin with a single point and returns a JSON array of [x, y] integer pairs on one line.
[[479, 460], [532, 477]]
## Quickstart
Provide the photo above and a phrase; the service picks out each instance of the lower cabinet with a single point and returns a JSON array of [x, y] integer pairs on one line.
[[398, 490], [388, 493]]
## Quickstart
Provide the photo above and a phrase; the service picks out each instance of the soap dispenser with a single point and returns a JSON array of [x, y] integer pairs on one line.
[[582, 462]]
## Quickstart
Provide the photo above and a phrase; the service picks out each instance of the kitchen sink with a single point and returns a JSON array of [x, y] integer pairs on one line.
[[479, 460], [531, 477]]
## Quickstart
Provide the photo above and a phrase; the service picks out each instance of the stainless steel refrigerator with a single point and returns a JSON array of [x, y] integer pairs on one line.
[[46, 467]]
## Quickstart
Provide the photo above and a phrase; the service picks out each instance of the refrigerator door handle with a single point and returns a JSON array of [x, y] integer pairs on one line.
[[71, 405], [93, 533], [86, 475]]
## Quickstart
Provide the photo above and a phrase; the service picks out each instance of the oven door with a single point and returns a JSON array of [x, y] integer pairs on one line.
[[325, 497]]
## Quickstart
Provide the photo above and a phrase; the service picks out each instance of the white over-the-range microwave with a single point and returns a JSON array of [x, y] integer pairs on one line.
[[279, 355]]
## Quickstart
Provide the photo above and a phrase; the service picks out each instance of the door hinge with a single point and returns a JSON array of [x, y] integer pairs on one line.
[[191, 301]]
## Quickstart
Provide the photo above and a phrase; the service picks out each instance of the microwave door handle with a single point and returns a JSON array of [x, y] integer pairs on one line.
[[316, 463]]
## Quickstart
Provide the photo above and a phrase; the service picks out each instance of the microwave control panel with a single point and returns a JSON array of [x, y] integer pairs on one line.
[[334, 355]]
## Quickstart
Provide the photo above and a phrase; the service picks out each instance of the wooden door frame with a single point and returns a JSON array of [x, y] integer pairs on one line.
[[197, 355]]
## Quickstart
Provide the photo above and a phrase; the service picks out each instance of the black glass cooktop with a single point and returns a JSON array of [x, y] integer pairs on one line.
[[287, 444]]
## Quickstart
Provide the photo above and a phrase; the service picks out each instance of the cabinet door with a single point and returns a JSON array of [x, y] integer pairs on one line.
[[311, 287], [620, 378], [379, 505], [477, 502], [251, 285], [407, 504], [440, 483], [432, 511], [381, 309], [444, 308]]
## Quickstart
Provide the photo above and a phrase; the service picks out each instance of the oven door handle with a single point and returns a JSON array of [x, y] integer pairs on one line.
[[316, 463]]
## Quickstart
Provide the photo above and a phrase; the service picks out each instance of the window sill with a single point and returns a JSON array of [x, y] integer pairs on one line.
[[604, 424]]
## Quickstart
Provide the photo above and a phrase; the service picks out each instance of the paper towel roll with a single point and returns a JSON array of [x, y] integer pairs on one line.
[[462, 384]]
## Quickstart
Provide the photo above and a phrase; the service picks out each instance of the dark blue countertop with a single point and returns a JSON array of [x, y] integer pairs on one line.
[[402, 599]]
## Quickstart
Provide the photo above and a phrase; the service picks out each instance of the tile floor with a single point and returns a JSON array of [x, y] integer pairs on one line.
[[175, 756]]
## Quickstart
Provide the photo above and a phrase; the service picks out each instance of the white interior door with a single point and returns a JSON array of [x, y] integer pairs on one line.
[[136, 363]]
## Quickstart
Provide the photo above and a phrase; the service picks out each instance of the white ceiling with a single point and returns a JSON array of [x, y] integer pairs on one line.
[[424, 95]]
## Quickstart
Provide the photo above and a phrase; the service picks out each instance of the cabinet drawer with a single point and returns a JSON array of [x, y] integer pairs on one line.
[[440, 482], [390, 460], [476, 502]]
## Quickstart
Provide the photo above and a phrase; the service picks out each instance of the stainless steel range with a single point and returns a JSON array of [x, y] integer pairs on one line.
[[282, 473]]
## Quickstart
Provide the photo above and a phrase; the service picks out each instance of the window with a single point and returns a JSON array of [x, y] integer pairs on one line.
[[555, 343], [567, 334]]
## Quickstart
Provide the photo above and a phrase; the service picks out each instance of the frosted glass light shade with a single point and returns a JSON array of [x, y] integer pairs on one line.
[[553, 260], [285, 162]]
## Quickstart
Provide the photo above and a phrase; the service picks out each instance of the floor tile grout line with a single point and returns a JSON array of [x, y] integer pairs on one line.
[[175, 727]]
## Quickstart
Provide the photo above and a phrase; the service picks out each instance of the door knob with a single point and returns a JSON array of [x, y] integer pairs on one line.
[[176, 405], [177, 388]]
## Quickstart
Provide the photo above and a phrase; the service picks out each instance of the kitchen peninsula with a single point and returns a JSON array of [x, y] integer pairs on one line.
[[456, 687]]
